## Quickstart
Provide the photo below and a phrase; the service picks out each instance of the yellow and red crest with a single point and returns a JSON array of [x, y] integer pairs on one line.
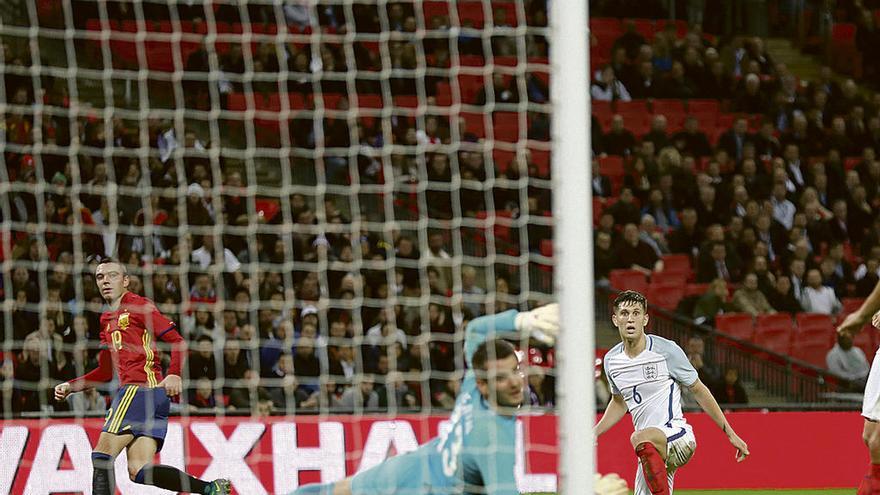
[[123, 321]]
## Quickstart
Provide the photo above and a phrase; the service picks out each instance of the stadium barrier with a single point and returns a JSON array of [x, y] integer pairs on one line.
[[272, 455]]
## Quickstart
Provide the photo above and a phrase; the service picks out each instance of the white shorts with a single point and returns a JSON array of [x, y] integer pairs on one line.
[[871, 403], [680, 446]]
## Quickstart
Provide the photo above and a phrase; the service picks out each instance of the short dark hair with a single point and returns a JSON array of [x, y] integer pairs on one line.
[[491, 349], [630, 296], [107, 261]]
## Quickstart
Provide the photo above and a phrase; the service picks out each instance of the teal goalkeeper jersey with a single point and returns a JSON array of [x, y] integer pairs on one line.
[[475, 455], [480, 447]]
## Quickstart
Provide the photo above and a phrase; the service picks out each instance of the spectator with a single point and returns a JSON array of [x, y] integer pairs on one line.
[[361, 395], [642, 84], [686, 238], [541, 389], [731, 391], [818, 298], [202, 397], [624, 209], [631, 40], [662, 211], [601, 183], [234, 369], [849, 362], [734, 140], [748, 299], [635, 254], [712, 303], [658, 134], [652, 236], [619, 140], [691, 140], [719, 264], [470, 288], [604, 258], [783, 209], [201, 361], [750, 99], [606, 86], [696, 353], [395, 394]]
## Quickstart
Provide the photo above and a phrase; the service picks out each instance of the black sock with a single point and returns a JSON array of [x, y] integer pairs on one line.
[[103, 478], [169, 478]]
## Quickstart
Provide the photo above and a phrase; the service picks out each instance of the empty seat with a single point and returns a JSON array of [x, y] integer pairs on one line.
[[811, 352], [665, 295], [774, 331], [739, 325], [676, 261], [611, 165], [815, 327], [704, 106], [667, 107], [628, 280]]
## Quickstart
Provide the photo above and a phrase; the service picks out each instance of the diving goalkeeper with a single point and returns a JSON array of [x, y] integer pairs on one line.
[[477, 453]]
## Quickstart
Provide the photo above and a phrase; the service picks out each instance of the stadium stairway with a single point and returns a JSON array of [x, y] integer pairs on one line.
[[803, 66]]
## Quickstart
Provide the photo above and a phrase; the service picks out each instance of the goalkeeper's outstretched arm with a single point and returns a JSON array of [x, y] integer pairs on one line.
[[540, 323]]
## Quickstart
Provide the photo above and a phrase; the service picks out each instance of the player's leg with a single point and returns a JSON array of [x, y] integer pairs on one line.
[[142, 470], [871, 433], [103, 459], [650, 447]]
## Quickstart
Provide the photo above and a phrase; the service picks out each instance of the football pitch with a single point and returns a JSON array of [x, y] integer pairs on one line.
[[829, 491]]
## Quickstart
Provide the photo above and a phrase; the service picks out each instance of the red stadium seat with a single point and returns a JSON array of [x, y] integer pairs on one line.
[[645, 27], [633, 107], [611, 165], [675, 275], [739, 325], [867, 341], [695, 289], [704, 106], [470, 14], [606, 25], [666, 107], [815, 327], [628, 280], [676, 262], [812, 352], [506, 126], [444, 95], [774, 331], [431, 9], [469, 86], [664, 294], [546, 248], [474, 123]]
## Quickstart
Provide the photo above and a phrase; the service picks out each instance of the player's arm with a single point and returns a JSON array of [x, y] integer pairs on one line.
[[167, 332], [854, 322], [103, 373], [708, 403], [614, 412], [540, 323]]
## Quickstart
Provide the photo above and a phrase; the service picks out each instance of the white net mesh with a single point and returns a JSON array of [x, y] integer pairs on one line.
[[333, 188]]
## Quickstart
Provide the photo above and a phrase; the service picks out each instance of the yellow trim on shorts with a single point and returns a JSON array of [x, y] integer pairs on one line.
[[122, 408]]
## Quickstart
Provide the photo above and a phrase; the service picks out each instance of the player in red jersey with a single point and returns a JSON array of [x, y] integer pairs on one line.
[[138, 418]]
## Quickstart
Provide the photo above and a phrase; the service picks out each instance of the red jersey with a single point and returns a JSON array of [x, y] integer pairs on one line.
[[128, 338]]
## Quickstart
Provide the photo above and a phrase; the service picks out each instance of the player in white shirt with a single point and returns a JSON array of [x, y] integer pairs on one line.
[[852, 325], [646, 373]]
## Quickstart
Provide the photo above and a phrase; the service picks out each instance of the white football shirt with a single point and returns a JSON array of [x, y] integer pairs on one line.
[[650, 383]]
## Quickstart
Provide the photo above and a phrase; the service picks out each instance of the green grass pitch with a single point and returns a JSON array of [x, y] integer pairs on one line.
[[830, 491]]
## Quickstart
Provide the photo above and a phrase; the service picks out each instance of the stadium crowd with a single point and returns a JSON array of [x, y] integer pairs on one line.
[[262, 334], [779, 205]]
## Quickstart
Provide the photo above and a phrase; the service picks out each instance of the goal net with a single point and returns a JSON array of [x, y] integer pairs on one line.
[[320, 194]]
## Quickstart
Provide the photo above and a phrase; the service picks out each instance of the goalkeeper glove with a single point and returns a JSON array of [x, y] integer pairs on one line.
[[610, 484], [541, 324]]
